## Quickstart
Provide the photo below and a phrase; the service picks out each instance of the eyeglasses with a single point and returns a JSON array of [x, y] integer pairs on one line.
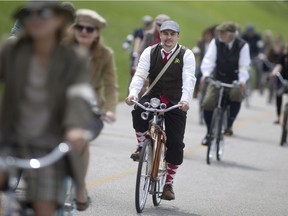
[[44, 13], [80, 28]]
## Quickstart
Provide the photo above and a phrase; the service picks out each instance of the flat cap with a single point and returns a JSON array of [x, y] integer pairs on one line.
[[227, 27], [91, 16], [161, 18], [170, 25]]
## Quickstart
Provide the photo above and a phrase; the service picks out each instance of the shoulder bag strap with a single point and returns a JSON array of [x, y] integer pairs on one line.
[[163, 70]]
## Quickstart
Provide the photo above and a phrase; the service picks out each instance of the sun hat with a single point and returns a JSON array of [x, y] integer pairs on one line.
[[34, 5], [227, 27], [90, 16], [170, 25], [161, 18]]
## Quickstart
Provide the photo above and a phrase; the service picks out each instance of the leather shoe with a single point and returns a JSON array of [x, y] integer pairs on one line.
[[168, 193], [136, 155], [205, 140], [228, 132]]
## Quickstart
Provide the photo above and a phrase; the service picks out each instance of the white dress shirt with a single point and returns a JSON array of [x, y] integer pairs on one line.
[[209, 62], [188, 74]]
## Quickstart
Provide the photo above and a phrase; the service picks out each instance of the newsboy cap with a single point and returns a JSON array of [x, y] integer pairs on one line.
[[33, 5], [161, 18], [227, 27], [170, 25], [91, 16]]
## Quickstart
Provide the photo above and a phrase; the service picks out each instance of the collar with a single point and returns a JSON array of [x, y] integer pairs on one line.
[[171, 51], [230, 44]]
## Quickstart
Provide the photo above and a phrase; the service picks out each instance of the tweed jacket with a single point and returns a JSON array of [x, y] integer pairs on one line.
[[67, 70], [104, 77]]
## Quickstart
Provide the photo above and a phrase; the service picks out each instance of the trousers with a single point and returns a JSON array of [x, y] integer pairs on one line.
[[175, 123]]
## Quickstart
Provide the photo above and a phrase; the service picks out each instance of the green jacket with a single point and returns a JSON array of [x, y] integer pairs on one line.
[[67, 70]]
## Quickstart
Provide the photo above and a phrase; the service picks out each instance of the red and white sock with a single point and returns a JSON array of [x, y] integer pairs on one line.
[[171, 172], [141, 137]]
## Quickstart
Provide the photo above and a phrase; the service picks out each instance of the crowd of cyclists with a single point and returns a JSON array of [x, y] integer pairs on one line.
[[60, 83]]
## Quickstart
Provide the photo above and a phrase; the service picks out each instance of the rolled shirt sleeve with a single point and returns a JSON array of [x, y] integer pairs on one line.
[[188, 76]]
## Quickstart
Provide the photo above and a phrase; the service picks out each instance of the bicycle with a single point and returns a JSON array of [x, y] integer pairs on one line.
[[219, 121], [17, 206], [282, 90], [152, 167]]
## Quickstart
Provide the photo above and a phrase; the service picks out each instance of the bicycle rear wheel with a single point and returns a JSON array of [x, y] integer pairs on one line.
[[213, 132], [143, 179], [284, 127], [159, 184], [220, 137]]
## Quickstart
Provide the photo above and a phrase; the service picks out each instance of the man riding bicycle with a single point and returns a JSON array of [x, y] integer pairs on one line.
[[175, 86], [228, 60]]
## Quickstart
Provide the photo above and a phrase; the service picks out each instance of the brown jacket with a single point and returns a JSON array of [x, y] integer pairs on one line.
[[104, 77], [68, 68]]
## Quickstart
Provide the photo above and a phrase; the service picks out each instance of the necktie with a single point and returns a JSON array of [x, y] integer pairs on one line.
[[165, 59]]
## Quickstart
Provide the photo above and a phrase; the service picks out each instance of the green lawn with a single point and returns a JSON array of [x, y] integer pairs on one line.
[[193, 17]]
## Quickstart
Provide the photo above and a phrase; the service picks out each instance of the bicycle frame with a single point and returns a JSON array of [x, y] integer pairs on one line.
[[156, 130], [216, 129]]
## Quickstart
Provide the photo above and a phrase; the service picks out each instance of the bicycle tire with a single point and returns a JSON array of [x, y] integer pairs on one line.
[[142, 188], [284, 127], [162, 172], [212, 135], [69, 206], [220, 137]]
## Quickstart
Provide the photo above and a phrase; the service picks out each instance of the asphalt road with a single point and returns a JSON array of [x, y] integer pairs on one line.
[[252, 178]]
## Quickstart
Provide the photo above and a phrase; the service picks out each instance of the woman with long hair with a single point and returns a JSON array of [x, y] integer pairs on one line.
[[86, 32]]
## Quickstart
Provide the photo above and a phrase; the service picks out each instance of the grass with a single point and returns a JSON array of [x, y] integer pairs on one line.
[[193, 17]]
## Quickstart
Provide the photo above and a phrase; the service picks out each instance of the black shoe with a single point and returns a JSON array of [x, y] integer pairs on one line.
[[136, 155], [228, 132], [205, 141]]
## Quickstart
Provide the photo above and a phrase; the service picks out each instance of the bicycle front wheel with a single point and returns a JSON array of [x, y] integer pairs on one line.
[[220, 138], [213, 133], [162, 172], [143, 179]]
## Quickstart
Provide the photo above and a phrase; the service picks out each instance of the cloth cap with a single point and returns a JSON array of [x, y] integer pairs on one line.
[[227, 27], [91, 16], [250, 28], [161, 18], [147, 19], [170, 25], [33, 5]]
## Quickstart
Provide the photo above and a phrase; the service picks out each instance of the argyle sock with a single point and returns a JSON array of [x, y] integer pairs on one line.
[[141, 137], [171, 172]]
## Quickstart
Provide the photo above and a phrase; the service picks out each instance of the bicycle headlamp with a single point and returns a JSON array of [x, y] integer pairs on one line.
[[155, 102]]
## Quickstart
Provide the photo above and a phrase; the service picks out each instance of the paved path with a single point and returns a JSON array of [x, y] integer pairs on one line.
[[252, 179]]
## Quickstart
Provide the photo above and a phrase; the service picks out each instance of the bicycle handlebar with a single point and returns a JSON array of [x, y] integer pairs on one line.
[[149, 109], [219, 84], [36, 163]]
